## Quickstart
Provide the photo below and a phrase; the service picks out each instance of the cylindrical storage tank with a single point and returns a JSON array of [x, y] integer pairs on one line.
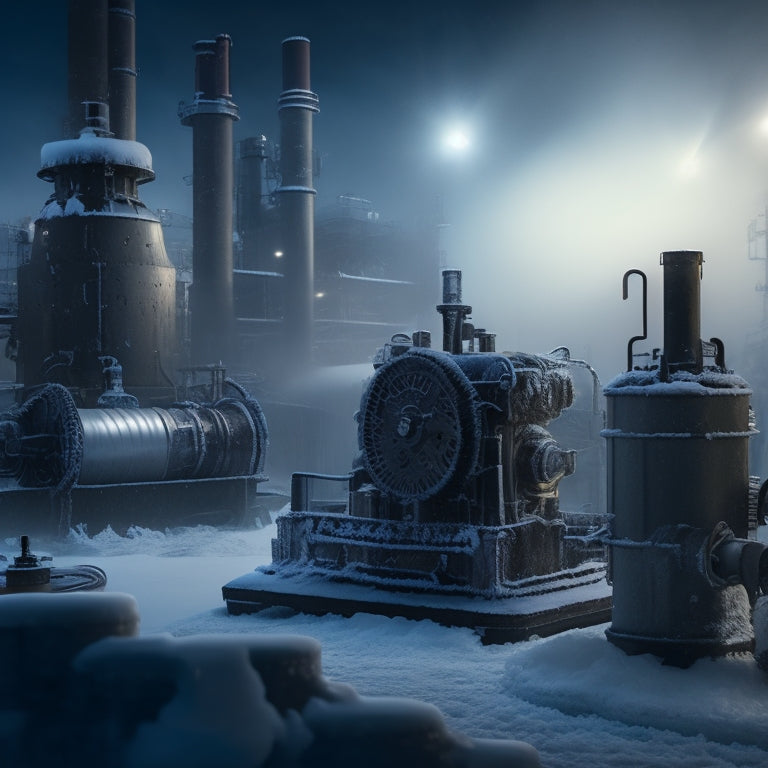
[[677, 464], [94, 286]]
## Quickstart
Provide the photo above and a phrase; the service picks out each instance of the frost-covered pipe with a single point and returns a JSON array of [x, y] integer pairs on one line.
[[48, 442]]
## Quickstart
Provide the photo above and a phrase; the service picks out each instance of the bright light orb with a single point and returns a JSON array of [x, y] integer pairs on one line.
[[456, 140]]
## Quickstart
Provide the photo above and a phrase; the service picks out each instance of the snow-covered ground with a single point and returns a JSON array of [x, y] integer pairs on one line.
[[578, 699]]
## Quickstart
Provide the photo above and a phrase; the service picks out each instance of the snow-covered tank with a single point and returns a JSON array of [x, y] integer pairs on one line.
[[684, 563]]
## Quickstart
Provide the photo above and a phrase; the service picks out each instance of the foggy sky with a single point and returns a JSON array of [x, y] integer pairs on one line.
[[586, 119]]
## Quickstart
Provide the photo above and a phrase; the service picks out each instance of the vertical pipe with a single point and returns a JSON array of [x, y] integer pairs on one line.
[[682, 309], [211, 115], [223, 44], [251, 162], [205, 69], [296, 105], [122, 68], [453, 312], [87, 59]]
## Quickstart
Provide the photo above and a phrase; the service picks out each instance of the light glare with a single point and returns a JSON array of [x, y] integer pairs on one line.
[[457, 140]]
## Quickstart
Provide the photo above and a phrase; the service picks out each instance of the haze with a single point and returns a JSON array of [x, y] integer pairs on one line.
[[597, 135]]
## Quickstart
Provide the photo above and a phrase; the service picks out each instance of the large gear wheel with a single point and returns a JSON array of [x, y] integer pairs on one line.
[[419, 426]]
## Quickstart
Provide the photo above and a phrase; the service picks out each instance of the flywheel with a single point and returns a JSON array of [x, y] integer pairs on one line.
[[419, 426]]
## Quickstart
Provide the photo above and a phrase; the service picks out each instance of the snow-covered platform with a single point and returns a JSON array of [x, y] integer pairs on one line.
[[578, 597]]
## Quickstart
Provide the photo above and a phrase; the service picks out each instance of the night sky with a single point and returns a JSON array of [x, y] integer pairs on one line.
[[601, 134]]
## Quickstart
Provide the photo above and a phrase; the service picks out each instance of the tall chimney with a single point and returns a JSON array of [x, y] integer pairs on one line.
[[87, 59], [122, 68], [211, 115], [296, 105]]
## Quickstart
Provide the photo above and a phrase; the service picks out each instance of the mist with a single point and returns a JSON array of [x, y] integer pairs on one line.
[[600, 135]]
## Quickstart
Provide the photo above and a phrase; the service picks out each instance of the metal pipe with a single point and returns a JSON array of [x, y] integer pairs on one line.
[[252, 157], [123, 445], [682, 309], [122, 68], [87, 59], [223, 44], [211, 115], [453, 312], [205, 69], [296, 105]]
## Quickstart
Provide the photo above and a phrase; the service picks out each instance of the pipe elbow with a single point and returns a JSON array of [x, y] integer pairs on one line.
[[738, 561]]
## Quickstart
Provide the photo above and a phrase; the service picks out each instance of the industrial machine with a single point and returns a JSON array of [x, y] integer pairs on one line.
[[684, 563], [454, 495], [111, 424]]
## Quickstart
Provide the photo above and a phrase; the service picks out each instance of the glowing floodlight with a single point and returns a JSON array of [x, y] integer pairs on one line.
[[457, 139]]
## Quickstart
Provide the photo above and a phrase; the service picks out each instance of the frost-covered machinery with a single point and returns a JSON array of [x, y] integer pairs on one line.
[[121, 464], [97, 301], [684, 562], [453, 509]]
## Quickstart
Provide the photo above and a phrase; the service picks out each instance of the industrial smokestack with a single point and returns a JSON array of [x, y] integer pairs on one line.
[[87, 59], [122, 68], [296, 105], [211, 115]]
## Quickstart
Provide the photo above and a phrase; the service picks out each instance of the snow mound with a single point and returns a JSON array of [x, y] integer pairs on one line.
[[583, 674]]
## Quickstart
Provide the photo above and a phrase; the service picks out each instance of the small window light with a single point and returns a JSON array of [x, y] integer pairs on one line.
[[278, 254]]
